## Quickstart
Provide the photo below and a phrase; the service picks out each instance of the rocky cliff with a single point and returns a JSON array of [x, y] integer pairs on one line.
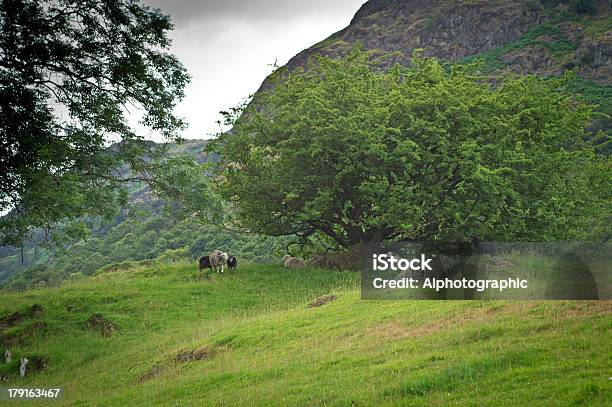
[[544, 37]]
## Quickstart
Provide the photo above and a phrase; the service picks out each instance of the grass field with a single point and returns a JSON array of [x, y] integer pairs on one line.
[[251, 339]]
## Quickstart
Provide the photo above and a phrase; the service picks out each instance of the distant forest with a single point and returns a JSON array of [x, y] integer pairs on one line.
[[146, 232]]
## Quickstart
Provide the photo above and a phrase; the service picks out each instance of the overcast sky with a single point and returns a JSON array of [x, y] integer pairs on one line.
[[228, 46]]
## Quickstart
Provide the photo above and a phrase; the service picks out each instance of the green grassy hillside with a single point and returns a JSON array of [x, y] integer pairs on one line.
[[251, 339]]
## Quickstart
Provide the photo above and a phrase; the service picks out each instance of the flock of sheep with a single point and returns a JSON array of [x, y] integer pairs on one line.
[[217, 260], [347, 260]]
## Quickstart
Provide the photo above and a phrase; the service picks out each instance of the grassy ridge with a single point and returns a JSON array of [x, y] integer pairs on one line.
[[250, 339]]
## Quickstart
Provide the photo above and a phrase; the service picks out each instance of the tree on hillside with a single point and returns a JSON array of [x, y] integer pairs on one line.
[[70, 71], [348, 154]]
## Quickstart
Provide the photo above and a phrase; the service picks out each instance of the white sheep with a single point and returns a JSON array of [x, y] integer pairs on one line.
[[218, 259], [291, 262]]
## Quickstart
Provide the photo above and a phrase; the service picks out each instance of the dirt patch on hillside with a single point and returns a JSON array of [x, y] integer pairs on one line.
[[521, 309], [11, 320], [151, 373], [184, 356], [37, 363], [15, 318], [191, 355], [398, 330], [101, 325], [24, 335], [322, 301], [35, 311], [20, 335], [571, 309], [35, 328]]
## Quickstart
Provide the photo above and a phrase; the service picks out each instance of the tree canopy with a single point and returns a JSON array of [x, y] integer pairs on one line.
[[349, 154], [70, 72]]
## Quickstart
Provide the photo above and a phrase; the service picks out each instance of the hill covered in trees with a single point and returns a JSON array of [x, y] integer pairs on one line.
[[147, 229]]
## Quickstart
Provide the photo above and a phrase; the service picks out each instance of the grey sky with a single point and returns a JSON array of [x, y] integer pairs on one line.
[[228, 46]]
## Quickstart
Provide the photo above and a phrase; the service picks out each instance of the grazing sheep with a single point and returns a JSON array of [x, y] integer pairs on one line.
[[340, 260], [291, 262], [218, 259], [232, 262], [205, 262]]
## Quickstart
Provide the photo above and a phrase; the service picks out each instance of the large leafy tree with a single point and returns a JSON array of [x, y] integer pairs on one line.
[[71, 71], [350, 154]]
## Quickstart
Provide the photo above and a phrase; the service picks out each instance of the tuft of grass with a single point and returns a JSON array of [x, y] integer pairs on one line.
[[598, 27], [457, 375]]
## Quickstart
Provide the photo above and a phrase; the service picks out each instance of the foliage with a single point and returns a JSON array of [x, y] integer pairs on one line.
[[594, 93], [146, 234], [601, 96], [186, 183], [71, 72], [428, 152]]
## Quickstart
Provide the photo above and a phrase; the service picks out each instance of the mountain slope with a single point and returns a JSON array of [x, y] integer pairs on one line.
[[544, 37], [250, 338], [455, 29]]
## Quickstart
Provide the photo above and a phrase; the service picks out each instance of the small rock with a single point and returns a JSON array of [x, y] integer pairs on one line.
[[22, 366], [101, 325], [322, 301], [152, 373], [195, 354]]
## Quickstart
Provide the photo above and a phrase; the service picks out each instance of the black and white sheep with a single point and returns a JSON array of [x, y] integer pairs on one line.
[[205, 263], [232, 262]]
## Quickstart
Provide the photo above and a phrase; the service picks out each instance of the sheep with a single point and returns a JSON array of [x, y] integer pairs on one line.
[[205, 262], [232, 262], [218, 259], [291, 262]]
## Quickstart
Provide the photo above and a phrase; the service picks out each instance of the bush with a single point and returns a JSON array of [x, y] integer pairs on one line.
[[173, 255]]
